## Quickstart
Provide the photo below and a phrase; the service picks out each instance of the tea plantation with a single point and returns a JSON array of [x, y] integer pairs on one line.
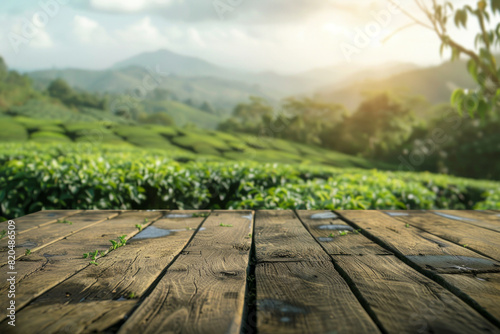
[[37, 176], [190, 143]]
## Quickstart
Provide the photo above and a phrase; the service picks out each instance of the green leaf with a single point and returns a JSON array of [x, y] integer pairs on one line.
[[495, 6], [472, 68], [483, 108], [457, 99], [471, 103]]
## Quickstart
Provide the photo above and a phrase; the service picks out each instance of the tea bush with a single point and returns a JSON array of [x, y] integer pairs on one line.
[[35, 177]]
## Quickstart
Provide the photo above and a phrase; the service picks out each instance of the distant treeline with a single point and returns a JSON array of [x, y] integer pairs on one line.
[[403, 130]]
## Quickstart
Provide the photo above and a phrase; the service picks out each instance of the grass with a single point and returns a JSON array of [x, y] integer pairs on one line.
[[203, 214], [27, 252], [3, 233], [115, 244], [140, 227], [225, 225], [64, 221], [132, 295], [342, 233]]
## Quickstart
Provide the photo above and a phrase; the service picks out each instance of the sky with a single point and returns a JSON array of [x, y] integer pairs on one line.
[[285, 36]]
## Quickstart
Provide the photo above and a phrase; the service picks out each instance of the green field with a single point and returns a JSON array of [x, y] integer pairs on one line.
[[189, 143], [48, 164], [61, 176]]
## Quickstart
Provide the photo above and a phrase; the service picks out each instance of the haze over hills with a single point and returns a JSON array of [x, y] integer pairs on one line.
[[435, 83], [201, 81]]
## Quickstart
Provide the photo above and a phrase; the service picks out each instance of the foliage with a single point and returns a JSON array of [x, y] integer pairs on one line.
[[377, 129], [58, 177], [12, 131], [158, 118], [458, 145], [60, 90], [482, 64], [186, 144]]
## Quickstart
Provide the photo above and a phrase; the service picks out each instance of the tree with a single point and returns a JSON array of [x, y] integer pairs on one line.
[[60, 89], [160, 94], [252, 117], [482, 64], [311, 121], [3, 69], [378, 128], [205, 106]]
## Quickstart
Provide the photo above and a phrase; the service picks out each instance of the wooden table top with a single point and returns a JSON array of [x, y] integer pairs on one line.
[[251, 271]]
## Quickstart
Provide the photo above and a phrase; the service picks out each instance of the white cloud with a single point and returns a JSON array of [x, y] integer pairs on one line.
[[42, 40], [89, 31], [127, 5], [142, 33]]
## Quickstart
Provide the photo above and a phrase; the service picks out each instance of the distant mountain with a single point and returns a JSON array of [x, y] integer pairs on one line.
[[223, 94], [176, 64], [435, 83], [280, 85], [194, 79], [192, 67], [341, 75]]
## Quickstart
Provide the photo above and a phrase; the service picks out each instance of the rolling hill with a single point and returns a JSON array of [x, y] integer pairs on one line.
[[434, 83], [192, 78], [182, 144]]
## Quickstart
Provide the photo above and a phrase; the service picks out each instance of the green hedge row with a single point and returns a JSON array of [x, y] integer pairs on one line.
[[35, 177]]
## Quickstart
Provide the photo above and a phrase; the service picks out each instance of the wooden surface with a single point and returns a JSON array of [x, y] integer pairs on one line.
[[245, 271]]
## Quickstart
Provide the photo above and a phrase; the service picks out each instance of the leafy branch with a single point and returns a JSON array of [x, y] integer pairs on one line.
[[482, 65]]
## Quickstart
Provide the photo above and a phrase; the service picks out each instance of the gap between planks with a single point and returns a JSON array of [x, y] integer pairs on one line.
[[381, 232]]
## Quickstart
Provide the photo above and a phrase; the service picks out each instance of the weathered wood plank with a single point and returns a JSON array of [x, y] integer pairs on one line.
[[406, 301], [480, 240], [203, 291], [36, 239], [428, 251], [39, 219], [484, 288], [43, 270], [476, 218], [97, 297], [402, 299], [404, 241], [298, 288], [331, 230]]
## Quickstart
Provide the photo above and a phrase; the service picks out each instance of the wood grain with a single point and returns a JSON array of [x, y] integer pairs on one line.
[[403, 300], [43, 270], [330, 231], [451, 259], [298, 288], [97, 297], [37, 239], [485, 288], [426, 250], [357, 272], [477, 218], [203, 291], [39, 219], [481, 240]]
